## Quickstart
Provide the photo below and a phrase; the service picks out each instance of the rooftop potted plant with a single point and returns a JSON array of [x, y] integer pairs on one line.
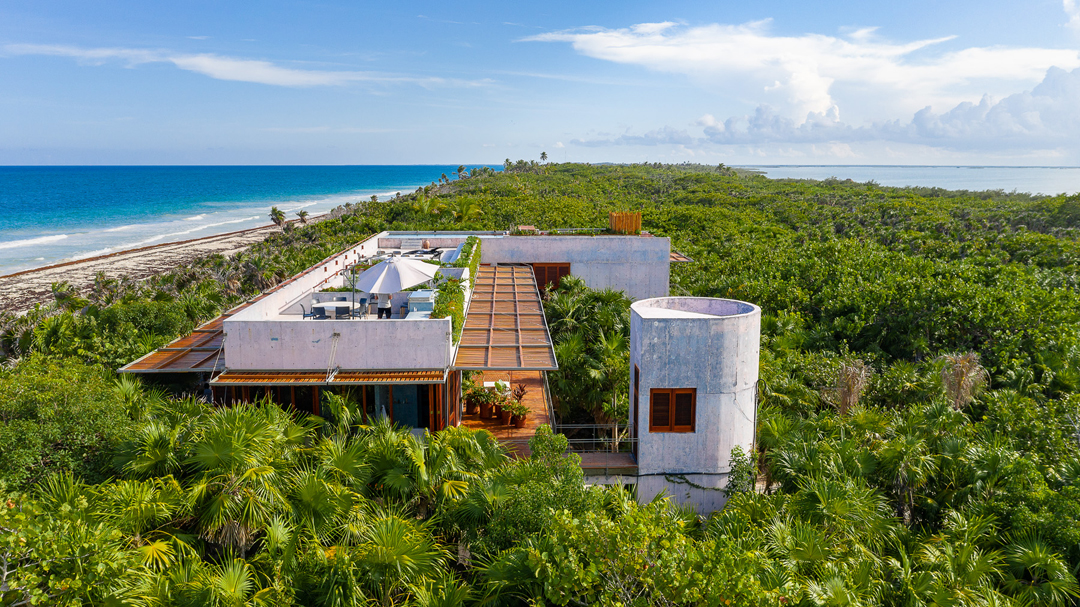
[[473, 397], [518, 411], [504, 404], [486, 400]]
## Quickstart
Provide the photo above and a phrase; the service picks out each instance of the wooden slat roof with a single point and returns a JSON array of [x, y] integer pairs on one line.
[[677, 257], [335, 378], [505, 328], [197, 352]]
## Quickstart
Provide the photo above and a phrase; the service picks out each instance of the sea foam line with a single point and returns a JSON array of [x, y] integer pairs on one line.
[[11, 244]]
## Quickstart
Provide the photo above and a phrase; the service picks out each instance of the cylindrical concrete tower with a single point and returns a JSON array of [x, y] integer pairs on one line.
[[693, 383]]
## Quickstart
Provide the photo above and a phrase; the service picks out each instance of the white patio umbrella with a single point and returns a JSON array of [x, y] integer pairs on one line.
[[395, 274]]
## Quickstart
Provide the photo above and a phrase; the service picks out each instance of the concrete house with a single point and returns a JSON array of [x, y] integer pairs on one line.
[[694, 360]]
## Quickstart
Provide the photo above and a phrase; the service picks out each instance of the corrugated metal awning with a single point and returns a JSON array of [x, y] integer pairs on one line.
[[345, 378], [505, 327], [270, 378], [337, 377]]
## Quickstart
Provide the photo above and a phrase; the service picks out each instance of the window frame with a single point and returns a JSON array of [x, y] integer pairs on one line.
[[671, 427]]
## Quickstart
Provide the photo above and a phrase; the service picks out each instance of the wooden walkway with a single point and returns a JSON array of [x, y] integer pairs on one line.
[[517, 439], [608, 464]]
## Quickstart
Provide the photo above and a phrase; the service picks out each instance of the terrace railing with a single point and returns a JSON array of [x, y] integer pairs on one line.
[[598, 438]]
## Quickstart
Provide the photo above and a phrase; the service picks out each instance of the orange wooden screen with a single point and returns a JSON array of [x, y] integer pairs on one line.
[[625, 223], [505, 328]]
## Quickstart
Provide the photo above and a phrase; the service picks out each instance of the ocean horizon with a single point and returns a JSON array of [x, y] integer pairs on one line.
[[54, 214], [1043, 180]]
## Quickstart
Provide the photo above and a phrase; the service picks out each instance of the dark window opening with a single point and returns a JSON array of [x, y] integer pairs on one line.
[[672, 409]]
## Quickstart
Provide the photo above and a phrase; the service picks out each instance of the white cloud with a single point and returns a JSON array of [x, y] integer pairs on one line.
[[1072, 11], [662, 136], [801, 74], [1040, 120], [227, 68]]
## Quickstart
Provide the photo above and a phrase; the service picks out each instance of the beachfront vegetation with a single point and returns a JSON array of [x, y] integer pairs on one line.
[[918, 433], [278, 217]]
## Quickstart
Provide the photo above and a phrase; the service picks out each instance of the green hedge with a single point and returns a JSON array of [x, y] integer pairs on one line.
[[450, 299], [470, 258], [450, 302]]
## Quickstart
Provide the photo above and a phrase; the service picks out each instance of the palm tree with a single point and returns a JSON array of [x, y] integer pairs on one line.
[[958, 574], [1035, 575], [611, 369], [427, 206], [277, 216], [240, 457], [302, 215], [963, 377], [543, 157], [461, 174], [396, 554], [910, 463], [466, 209]]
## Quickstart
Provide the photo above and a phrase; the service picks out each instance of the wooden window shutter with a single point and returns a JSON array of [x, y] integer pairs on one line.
[[673, 410], [660, 411], [563, 270], [684, 413]]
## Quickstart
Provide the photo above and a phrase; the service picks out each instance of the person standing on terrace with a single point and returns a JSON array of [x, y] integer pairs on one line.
[[384, 305]]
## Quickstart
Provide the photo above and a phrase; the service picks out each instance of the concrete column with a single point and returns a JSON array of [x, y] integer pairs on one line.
[[708, 345]]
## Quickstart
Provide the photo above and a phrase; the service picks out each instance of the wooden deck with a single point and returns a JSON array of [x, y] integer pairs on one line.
[[517, 439], [608, 464]]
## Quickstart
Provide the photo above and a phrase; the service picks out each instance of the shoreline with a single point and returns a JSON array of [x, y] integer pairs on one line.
[[20, 291], [134, 250]]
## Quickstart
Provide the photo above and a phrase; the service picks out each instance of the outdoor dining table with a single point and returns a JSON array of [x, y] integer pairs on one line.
[[332, 305]]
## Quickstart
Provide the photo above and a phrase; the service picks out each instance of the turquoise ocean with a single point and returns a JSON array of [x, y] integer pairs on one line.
[[54, 214]]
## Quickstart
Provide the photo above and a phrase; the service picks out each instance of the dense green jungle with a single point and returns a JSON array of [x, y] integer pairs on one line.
[[918, 437]]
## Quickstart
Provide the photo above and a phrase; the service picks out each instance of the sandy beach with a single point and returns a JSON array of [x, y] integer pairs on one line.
[[21, 290]]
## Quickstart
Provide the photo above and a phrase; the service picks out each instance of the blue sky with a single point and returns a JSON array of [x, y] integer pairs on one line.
[[415, 82]]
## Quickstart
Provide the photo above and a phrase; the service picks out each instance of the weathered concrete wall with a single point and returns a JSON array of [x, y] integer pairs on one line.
[[435, 242], [363, 344], [638, 266], [711, 345]]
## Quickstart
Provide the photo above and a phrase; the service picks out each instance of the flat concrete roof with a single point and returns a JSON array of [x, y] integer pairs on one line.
[[692, 307]]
